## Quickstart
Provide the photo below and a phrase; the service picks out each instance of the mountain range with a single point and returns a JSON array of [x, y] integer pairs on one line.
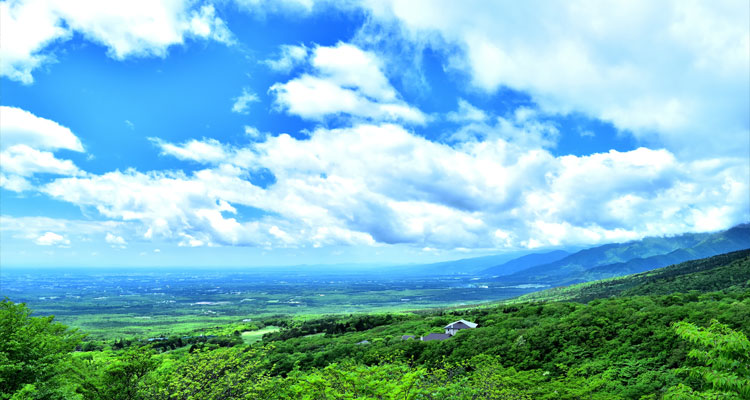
[[702, 275], [565, 267], [620, 259]]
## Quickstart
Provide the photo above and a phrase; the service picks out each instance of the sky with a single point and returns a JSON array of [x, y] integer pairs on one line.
[[256, 133]]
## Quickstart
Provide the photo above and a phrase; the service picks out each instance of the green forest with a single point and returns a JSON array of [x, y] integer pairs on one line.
[[678, 332]]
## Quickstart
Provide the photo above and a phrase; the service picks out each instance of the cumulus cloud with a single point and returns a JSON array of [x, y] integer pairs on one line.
[[15, 183], [242, 102], [466, 113], [23, 135], [349, 66], [126, 28], [32, 227], [22, 160], [262, 7], [51, 239], [289, 57], [168, 205], [114, 240], [62, 232], [205, 151], [253, 133], [522, 128], [22, 127], [381, 184], [346, 81], [670, 72]]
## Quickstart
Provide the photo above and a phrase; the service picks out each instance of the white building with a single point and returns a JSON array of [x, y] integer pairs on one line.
[[454, 327]]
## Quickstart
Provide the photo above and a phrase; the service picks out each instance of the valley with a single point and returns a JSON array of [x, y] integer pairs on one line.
[[634, 337], [109, 304], [154, 302]]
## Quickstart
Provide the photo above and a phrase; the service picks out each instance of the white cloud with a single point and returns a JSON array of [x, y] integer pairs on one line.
[[24, 161], [132, 28], [253, 133], [350, 67], [346, 81], [51, 239], [262, 7], [380, 184], [289, 57], [242, 102], [466, 113], [169, 205], [23, 134], [205, 24], [315, 98], [586, 133], [25, 29], [207, 151], [15, 183], [115, 240], [34, 227], [673, 72], [22, 127], [522, 128]]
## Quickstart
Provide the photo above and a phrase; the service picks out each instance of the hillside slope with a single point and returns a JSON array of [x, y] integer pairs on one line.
[[729, 270], [525, 262], [613, 260]]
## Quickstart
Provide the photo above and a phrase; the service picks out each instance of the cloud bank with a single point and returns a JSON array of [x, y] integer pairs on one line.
[[381, 184], [672, 73], [345, 81]]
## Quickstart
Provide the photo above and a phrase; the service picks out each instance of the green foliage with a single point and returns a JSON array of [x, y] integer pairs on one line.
[[724, 355], [35, 355], [224, 373], [622, 347], [126, 377], [389, 379], [704, 275]]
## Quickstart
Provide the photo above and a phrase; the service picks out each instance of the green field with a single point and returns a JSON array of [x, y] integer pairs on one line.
[[110, 305], [250, 337]]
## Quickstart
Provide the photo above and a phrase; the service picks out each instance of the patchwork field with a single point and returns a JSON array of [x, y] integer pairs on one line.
[[110, 304]]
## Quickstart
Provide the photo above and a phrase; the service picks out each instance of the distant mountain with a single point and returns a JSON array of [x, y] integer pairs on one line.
[[465, 266], [704, 275], [626, 258], [525, 262]]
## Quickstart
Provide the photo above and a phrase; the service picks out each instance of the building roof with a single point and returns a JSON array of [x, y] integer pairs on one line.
[[406, 337], [462, 321], [435, 336], [363, 342]]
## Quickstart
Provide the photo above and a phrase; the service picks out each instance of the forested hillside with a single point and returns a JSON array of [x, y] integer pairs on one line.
[[648, 336], [620, 259], [708, 274]]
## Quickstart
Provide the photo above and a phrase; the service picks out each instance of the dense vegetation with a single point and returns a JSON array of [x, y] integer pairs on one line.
[[680, 332], [705, 275]]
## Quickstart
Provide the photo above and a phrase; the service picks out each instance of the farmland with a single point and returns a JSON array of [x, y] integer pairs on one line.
[[116, 303]]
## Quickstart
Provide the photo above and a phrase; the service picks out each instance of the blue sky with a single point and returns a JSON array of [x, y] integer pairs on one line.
[[269, 133]]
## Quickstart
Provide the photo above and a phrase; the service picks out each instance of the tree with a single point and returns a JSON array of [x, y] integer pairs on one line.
[[725, 358], [35, 355], [219, 374], [125, 378]]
